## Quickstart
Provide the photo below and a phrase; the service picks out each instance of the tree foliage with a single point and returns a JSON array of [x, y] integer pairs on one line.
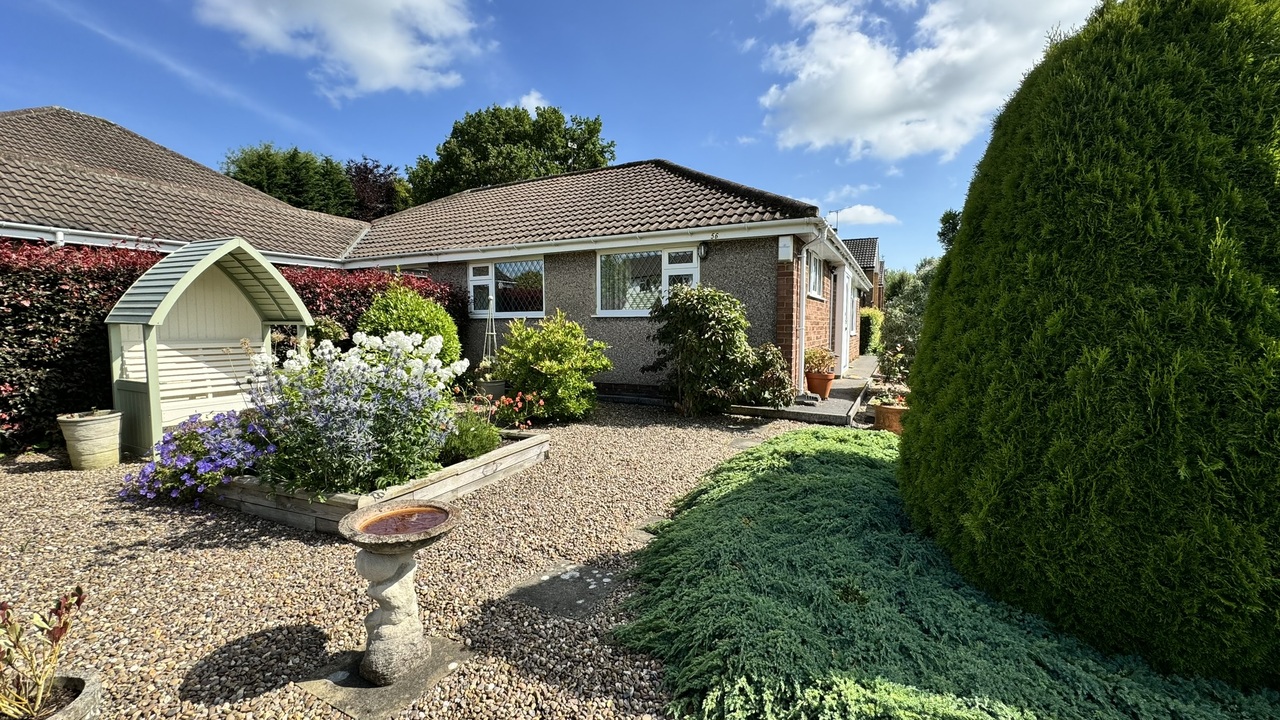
[[379, 189], [300, 178], [504, 144], [904, 314], [1093, 432], [948, 226]]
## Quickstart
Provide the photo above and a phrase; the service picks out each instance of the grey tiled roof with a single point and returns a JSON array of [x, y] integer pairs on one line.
[[69, 170], [623, 199], [75, 171], [866, 251]]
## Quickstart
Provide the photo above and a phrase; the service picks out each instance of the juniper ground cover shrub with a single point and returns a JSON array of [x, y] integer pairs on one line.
[[790, 584], [1094, 431]]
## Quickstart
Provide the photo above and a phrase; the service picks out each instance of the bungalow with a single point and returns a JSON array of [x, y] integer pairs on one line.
[[599, 244]]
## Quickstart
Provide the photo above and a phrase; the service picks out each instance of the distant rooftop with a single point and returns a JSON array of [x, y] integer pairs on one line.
[[866, 251]]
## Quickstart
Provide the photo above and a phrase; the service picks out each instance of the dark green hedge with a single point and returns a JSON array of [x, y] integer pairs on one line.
[[1095, 424]]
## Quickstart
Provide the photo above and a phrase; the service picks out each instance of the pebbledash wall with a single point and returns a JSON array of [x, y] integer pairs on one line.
[[742, 268]]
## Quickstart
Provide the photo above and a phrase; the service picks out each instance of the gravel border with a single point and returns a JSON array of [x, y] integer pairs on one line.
[[211, 613]]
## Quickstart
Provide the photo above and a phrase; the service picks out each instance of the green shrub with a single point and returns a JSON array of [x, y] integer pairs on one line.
[[472, 437], [326, 328], [791, 585], [904, 314], [400, 308], [871, 322], [1094, 431], [556, 360], [703, 347], [770, 379]]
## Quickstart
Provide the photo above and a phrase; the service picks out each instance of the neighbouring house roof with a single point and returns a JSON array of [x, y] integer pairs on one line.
[[626, 199], [866, 251], [70, 170], [150, 298], [67, 170]]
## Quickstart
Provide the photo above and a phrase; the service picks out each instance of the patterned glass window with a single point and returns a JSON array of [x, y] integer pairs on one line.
[[515, 287], [630, 281]]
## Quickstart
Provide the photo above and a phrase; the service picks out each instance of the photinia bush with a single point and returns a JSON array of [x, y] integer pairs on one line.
[[345, 295]]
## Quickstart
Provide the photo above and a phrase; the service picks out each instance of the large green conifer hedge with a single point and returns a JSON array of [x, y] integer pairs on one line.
[[1095, 424]]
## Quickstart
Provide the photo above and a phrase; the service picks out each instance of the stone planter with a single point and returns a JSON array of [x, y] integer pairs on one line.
[[303, 510], [88, 692], [889, 417], [93, 438], [819, 383]]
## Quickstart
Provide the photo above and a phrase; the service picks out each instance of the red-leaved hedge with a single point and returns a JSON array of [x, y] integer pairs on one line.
[[53, 343], [53, 340]]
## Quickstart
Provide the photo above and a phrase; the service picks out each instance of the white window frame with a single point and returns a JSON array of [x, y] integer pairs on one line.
[[814, 275], [488, 281], [694, 267]]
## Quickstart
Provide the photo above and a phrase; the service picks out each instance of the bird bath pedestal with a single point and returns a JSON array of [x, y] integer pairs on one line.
[[388, 534]]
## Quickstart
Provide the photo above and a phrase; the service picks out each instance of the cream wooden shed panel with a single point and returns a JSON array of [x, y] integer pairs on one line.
[[178, 335]]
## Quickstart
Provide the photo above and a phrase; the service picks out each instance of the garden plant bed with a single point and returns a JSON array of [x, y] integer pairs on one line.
[[307, 512]]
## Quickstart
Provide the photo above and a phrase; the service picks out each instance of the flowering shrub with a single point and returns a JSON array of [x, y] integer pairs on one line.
[[354, 421], [26, 668], [199, 455]]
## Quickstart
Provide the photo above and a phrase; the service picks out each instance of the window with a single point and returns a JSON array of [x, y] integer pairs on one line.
[[516, 287], [815, 275], [630, 282]]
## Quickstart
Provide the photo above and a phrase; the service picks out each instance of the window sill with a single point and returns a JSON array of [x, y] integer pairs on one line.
[[817, 296], [621, 314], [511, 316]]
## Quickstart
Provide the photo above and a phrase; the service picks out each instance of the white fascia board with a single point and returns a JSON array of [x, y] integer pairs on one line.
[[51, 234], [684, 236]]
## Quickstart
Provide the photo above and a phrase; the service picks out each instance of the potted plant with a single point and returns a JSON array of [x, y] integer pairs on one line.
[[93, 438], [889, 407], [819, 371], [29, 687], [486, 383]]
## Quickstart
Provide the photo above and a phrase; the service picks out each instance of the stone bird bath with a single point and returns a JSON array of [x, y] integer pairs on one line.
[[388, 534]]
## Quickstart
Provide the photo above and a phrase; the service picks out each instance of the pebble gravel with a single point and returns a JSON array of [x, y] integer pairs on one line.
[[208, 613]]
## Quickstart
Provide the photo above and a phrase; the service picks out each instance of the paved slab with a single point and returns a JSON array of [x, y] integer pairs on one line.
[[567, 590], [341, 686], [845, 401]]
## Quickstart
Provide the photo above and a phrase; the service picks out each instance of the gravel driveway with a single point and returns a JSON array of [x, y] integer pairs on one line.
[[210, 613]]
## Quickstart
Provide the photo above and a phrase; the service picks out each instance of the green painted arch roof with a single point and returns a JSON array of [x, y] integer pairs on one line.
[[149, 300]]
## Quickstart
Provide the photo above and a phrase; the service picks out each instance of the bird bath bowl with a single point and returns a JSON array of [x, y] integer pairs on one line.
[[388, 534]]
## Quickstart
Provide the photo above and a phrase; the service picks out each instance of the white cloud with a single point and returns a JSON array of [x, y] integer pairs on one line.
[[359, 47], [848, 192], [851, 83], [893, 171], [865, 215], [747, 45], [533, 100], [747, 140]]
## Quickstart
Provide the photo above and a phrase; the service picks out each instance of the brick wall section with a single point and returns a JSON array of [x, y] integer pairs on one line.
[[817, 314], [786, 323]]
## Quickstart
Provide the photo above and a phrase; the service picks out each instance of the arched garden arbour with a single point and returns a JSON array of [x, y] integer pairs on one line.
[[176, 335]]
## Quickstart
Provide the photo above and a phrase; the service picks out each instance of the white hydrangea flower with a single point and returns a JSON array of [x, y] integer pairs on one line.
[[460, 367]]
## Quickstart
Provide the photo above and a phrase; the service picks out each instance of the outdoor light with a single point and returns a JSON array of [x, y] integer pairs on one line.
[[702, 250]]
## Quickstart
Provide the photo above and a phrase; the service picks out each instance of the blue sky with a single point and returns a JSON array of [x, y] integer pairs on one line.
[[877, 110]]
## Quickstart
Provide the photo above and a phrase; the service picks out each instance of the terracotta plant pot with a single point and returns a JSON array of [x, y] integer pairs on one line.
[[889, 417], [819, 383], [93, 438], [88, 700]]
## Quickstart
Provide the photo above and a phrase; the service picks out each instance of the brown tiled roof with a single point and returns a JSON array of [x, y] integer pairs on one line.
[[75, 171], [865, 250], [623, 199]]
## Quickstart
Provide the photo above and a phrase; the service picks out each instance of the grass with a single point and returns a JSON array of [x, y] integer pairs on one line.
[[790, 584]]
